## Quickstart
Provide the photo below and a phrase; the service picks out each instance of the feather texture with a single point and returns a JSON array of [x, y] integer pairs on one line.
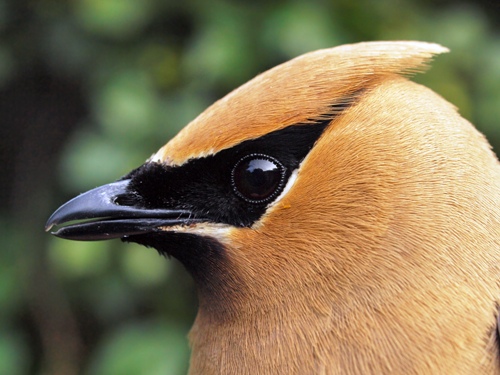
[[377, 253]]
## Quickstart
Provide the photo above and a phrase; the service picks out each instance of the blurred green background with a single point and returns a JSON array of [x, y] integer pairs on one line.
[[91, 88]]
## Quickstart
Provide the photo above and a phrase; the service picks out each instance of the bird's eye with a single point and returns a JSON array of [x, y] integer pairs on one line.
[[258, 178]]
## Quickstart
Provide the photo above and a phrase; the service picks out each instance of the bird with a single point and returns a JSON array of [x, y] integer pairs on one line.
[[336, 217]]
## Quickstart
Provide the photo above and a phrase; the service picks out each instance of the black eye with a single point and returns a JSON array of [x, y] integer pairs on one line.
[[258, 178]]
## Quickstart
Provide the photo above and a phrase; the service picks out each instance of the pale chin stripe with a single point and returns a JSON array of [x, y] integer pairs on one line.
[[221, 232]]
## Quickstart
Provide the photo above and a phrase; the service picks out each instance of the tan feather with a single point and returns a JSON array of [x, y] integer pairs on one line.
[[296, 91], [385, 258], [380, 256]]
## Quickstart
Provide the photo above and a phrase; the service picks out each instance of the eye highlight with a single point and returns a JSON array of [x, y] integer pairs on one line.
[[258, 178]]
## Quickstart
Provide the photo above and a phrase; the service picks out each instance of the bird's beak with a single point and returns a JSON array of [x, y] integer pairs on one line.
[[100, 216]]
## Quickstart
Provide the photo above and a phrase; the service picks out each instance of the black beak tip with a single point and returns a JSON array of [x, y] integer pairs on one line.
[[95, 203], [95, 215]]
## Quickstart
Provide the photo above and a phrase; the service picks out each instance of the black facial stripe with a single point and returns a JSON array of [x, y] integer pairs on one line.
[[204, 187]]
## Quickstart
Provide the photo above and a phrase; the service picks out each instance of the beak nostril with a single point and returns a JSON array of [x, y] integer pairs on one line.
[[126, 199]]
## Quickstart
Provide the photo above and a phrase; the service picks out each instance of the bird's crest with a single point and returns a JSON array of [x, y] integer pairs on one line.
[[301, 90]]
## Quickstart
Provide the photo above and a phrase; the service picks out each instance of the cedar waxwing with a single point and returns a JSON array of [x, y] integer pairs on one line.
[[337, 219]]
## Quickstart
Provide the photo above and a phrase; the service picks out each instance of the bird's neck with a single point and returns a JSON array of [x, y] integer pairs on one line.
[[257, 338], [311, 331]]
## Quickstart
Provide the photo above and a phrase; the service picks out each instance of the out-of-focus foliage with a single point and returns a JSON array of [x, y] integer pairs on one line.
[[91, 88]]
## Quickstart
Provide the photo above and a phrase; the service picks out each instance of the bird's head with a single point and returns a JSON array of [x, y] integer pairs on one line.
[[330, 184]]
